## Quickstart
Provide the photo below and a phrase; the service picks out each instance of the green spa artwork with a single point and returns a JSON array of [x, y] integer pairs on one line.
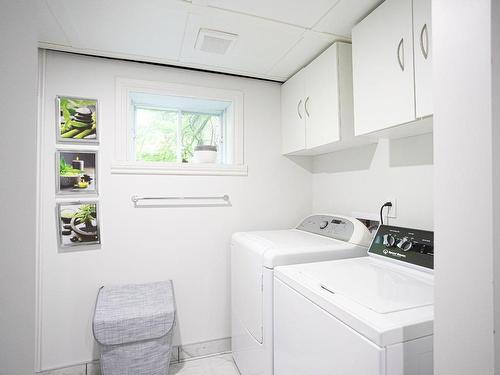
[[77, 119]]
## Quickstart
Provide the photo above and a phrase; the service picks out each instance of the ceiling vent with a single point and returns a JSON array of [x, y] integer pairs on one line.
[[213, 41]]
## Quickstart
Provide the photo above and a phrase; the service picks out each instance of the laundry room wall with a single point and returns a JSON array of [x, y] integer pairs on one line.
[[18, 169], [188, 245], [467, 187], [362, 179], [495, 34]]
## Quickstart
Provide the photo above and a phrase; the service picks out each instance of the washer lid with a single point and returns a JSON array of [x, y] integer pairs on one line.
[[373, 285]]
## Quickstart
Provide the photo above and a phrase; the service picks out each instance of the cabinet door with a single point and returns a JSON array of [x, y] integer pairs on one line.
[[321, 104], [423, 56], [293, 132], [383, 83]]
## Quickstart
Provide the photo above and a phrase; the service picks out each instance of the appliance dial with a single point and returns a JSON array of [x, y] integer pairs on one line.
[[323, 224], [405, 244], [389, 240]]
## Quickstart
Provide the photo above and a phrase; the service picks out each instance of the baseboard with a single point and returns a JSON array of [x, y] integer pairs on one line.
[[180, 353]]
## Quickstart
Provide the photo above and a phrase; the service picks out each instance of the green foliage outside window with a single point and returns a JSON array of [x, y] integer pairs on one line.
[[199, 129], [156, 135], [157, 138]]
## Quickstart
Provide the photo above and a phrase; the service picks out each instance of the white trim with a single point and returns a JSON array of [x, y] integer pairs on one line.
[[178, 151], [180, 353], [123, 128], [135, 167], [170, 63], [42, 60]]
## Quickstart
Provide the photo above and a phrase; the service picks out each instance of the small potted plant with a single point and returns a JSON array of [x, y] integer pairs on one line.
[[69, 176], [206, 152], [83, 223]]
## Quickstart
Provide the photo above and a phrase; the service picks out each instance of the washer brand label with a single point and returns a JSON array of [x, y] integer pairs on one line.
[[394, 254]]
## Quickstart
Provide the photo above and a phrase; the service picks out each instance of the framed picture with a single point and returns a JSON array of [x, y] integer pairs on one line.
[[77, 120], [76, 172], [78, 223]]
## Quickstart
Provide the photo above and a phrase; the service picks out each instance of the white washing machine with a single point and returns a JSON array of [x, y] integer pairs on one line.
[[363, 316], [253, 258]]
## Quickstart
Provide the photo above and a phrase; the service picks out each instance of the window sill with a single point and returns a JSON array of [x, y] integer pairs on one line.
[[131, 167]]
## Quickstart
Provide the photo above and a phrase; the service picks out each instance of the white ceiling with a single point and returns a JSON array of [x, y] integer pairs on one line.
[[275, 37]]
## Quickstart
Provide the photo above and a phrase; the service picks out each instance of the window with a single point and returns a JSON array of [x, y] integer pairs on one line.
[[168, 129], [160, 127]]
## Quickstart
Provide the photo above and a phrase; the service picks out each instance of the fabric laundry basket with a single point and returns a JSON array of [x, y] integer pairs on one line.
[[133, 325]]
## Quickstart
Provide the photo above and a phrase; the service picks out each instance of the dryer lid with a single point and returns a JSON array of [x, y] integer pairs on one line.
[[292, 246], [380, 287]]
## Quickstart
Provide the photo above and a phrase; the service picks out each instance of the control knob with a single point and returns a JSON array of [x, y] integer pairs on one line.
[[323, 224], [405, 244], [389, 240]]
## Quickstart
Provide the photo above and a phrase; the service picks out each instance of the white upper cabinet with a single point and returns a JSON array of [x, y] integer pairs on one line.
[[392, 67], [423, 57], [316, 105], [293, 120], [322, 100], [383, 68]]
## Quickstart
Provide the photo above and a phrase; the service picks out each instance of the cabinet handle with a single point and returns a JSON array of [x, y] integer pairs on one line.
[[305, 107], [401, 57], [424, 47], [298, 109]]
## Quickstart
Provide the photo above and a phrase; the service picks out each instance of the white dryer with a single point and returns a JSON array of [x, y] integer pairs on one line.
[[363, 316], [253, 258]]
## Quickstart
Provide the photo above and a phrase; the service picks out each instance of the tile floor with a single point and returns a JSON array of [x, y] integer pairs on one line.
[[216, 365]]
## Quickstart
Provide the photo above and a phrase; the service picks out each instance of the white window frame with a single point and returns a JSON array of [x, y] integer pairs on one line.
[[124, 127]]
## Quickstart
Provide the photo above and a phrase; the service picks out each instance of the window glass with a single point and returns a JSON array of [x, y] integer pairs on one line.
[[155, 135], [168, 129], [200, 129]]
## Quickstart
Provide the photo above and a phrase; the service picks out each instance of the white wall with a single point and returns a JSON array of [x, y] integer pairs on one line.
[[362, 179], [188, 245], [18, 170], [495, 33], [464, 227]]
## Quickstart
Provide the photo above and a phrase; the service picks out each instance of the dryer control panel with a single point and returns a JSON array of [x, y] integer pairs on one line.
[[412, 246], [343, 228]]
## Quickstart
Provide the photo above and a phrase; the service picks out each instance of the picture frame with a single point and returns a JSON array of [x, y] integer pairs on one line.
[[77, 120], [78, 223], [77, 172]]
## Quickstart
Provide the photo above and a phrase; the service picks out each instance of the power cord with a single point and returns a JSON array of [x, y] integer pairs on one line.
[[386, 204]]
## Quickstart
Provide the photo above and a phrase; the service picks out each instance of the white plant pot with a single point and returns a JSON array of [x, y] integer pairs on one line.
[[205, 156]]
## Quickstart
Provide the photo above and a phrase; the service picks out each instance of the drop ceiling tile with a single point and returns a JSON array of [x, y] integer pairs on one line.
[[311, 45], [152, 28], [296, 12], [259, 44], [341, 19], [49, 30]]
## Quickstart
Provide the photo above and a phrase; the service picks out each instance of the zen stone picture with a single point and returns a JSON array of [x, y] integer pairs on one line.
[[77, 120], [78, 223]]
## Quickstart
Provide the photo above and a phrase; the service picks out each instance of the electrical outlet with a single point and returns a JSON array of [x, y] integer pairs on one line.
[[392, 212]]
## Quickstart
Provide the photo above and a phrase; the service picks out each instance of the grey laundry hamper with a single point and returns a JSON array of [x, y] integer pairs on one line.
[[133, 325]]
